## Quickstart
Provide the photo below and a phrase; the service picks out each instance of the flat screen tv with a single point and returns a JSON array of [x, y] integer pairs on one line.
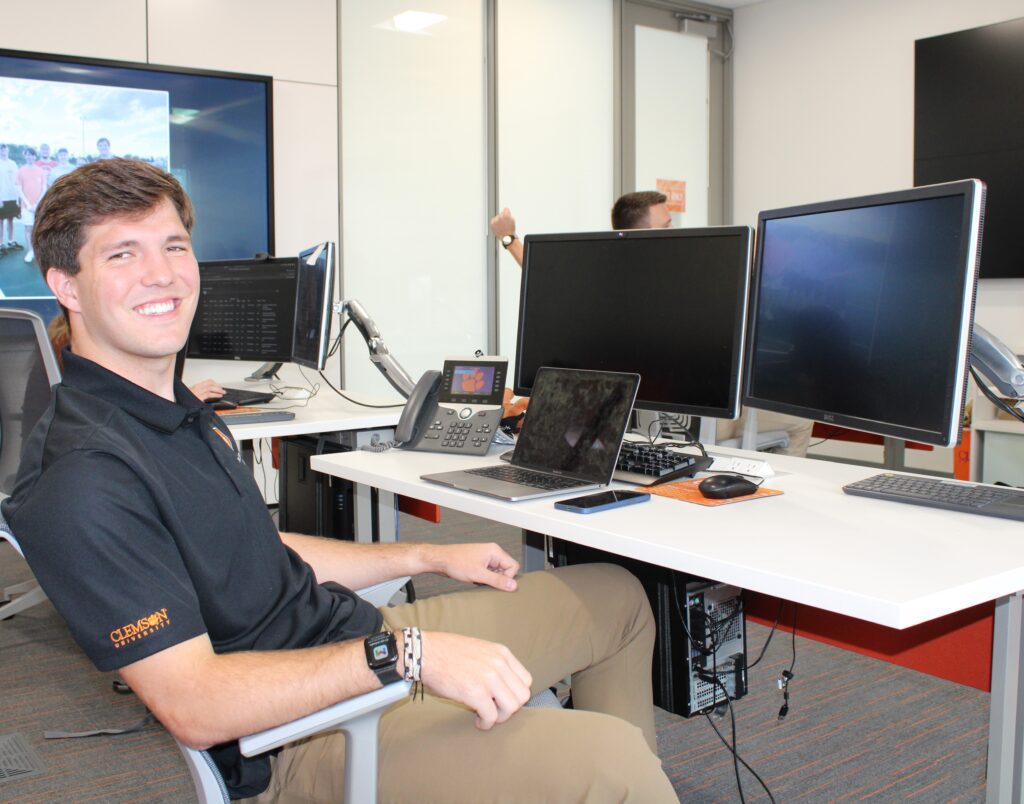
[[212, 130], [969, 123]]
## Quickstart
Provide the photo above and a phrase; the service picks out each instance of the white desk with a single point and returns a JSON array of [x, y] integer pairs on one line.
[[887, 563], [326, 413]]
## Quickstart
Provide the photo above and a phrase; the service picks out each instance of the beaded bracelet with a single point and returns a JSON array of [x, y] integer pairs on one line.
[[413, 639]]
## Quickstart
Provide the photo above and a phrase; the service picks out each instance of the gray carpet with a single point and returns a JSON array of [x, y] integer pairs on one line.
[[857, 729]]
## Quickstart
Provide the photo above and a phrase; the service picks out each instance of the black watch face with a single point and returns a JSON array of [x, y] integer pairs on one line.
[[380, 650]]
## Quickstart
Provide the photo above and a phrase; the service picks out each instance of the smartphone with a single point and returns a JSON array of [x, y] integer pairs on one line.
[[602, 501]]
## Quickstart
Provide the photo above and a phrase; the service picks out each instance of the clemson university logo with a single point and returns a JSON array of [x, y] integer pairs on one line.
[[139, 629]]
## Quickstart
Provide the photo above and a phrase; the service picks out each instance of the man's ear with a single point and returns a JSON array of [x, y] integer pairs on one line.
[[64, 287]]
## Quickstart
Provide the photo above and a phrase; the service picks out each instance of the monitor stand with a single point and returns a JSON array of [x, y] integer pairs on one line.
[[268, 371]]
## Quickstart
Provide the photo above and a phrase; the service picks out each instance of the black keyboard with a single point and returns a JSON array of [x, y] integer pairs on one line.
[[528, 477], [952, 495], [243, 397], [644, 463]]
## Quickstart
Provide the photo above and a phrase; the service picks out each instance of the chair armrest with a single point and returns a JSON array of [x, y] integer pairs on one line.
[[323, 720], [380, 594]]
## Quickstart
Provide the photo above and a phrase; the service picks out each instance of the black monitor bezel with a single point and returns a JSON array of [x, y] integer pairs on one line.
[[739, 325], [329, 255], [264, 357], [973, 191]]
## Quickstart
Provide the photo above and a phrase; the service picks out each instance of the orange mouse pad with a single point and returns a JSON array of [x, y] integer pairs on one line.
[[687, 491]]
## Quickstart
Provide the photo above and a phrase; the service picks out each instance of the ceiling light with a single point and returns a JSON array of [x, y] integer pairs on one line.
[[414, 21]]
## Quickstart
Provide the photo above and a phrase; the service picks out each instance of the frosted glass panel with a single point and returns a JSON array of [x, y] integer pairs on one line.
[[414, 223], [555, 124], [672, 120]]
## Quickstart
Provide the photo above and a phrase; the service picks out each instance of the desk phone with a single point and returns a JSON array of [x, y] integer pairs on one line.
[[457, 409]]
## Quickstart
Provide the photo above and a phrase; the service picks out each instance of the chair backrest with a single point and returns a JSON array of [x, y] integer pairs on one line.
[[28, 368]]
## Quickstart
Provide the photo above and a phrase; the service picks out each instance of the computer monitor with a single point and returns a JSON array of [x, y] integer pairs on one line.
[[246, 310], [314, 301], [667, 304], [861, 311]]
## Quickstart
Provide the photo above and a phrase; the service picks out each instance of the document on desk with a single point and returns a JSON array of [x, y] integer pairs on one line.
[[687, 491]]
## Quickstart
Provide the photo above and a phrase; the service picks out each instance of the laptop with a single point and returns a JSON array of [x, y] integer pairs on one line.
[[569, 442]]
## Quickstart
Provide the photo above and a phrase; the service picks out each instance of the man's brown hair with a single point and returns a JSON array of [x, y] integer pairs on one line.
[[631, 210], [93, 193]]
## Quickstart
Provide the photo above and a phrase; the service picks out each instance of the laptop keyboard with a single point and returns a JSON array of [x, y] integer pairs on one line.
[[528, 477]]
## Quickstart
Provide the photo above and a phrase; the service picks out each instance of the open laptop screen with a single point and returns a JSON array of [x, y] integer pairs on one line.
[[576, 421]]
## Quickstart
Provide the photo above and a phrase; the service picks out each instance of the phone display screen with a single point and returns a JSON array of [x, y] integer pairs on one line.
[[473, 382], [602, 500]]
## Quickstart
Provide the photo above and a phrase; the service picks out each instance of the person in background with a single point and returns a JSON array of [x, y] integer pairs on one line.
[[103, 148], [9, 207], [60, 337], [31, 186], [647, 209]]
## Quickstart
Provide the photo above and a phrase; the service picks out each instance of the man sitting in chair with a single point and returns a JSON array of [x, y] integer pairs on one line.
[[151, 538]]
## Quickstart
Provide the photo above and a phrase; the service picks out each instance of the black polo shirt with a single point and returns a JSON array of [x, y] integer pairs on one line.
[[145, 529]]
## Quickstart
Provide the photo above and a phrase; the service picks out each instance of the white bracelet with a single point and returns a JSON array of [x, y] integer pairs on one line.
[[413, 639]]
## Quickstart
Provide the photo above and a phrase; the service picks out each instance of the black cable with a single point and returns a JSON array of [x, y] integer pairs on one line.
[[356, 401], [771, 633], [835, 431], [995, 400], [741, 759], [713, 630]]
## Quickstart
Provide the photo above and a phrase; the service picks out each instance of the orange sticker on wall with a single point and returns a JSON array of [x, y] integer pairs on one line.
[[676, 192]]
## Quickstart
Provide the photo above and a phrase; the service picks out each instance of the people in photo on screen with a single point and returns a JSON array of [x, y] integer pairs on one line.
[[45, 161], [133, 488], [103, 148], [31, 186], [9, 207], [62, 167]]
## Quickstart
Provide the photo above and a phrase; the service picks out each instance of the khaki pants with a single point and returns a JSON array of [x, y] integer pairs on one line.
[[591, 621]]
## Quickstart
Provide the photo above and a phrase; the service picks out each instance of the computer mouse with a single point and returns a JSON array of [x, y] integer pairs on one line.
[[724, 487], [223, 404]]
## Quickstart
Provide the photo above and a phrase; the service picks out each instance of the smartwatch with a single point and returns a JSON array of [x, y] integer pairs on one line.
[[507, 240], [382, 656]]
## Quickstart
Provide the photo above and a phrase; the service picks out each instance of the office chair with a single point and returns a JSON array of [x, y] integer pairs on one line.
[[29, 369], [357, 718]]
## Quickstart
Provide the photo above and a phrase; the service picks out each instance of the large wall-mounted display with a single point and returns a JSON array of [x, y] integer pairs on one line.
[[969, 123], [212, 130]]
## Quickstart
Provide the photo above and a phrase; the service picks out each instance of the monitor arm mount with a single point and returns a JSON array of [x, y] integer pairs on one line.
[[1000, 366], [379, 354]]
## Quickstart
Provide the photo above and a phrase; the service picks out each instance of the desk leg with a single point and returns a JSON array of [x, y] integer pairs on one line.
[[535, 553], [375, 517], [1006, 718]]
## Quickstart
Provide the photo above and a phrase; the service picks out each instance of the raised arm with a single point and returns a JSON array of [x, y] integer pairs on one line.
[[504, 225]]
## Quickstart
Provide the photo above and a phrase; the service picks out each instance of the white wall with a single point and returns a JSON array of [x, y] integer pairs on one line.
[[555, 124], [824, 108]]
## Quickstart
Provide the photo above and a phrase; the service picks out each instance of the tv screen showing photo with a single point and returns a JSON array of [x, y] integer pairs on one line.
[[212, 131]]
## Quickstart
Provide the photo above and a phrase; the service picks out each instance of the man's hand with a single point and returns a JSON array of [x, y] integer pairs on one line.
[[485, 564], [207, 389], [484, 676], [503, 224]]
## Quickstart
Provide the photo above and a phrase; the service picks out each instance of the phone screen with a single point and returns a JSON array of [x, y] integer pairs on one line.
[[602, 499]]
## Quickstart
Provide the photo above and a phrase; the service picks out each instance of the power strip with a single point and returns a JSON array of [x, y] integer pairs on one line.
[[742, 466]]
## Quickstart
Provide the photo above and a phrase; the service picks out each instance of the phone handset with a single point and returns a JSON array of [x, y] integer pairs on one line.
[[419, 410]]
